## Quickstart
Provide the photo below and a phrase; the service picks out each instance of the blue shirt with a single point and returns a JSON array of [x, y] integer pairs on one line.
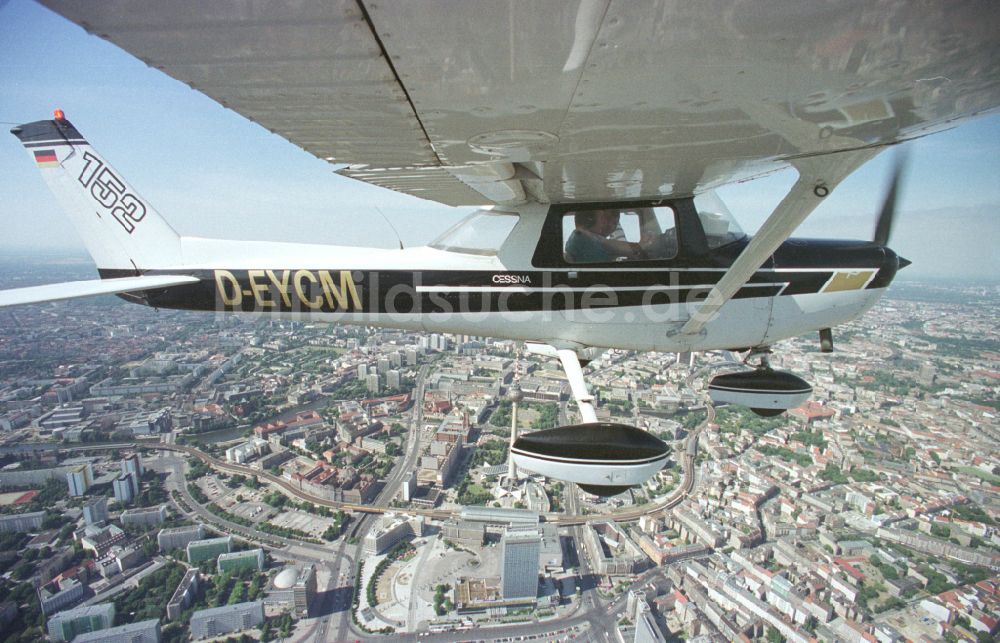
[[585, 248]]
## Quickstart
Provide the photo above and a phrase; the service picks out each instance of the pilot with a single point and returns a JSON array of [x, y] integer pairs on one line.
[[594, 239]]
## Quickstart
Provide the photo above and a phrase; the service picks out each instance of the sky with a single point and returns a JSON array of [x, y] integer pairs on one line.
[[212, 173]]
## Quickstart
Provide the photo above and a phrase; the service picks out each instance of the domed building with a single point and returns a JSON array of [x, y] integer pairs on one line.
[[294, 587], [286, 578]]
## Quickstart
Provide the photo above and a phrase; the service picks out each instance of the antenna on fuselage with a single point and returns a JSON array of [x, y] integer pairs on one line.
[[396, 232]]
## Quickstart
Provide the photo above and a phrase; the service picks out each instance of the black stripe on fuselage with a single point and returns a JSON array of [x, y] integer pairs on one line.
[[449, 292]]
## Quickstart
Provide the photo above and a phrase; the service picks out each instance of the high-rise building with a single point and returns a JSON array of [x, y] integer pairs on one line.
[[79, 479], [133, 465], [646, 629], [392, 379], [67, 624], [372, 383], [519, 549], [439, 342], [516, 396], [362, 371], [96, 512], [410, 486], [304, 590], [124, 486], [633, 599]]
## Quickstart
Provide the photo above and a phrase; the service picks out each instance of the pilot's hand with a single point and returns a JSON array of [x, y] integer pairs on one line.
[[637, 251]]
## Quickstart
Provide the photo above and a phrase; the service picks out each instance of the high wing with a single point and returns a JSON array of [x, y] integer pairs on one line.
[[484, 101]]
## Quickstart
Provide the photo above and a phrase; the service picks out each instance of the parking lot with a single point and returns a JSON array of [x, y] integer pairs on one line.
[[253, 511], [310, 524]]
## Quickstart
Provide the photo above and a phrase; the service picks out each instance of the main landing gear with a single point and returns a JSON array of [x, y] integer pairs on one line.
[[603, 458], [765, 391]]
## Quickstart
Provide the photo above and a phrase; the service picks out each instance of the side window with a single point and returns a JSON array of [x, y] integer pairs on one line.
[[619, 235], [480, 233]]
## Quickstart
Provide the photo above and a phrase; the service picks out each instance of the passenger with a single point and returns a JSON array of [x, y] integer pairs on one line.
[[592, 242]]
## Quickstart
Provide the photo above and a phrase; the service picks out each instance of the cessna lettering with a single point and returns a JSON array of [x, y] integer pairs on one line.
[[289, 289], [511, 279]]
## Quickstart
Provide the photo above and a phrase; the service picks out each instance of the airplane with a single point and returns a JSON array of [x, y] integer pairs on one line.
[[592, 134]]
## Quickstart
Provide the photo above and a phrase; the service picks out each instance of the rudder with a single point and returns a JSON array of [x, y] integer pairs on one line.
[[120, 229]]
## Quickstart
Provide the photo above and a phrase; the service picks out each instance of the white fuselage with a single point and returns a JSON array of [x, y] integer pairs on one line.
[[575, 307]]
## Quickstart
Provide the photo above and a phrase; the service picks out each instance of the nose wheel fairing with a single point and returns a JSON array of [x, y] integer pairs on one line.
[[765, 391]]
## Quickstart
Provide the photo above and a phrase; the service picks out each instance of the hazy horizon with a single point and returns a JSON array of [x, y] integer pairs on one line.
[[942, 244]]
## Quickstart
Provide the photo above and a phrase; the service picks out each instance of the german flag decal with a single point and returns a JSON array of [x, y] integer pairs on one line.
[[46, 158]]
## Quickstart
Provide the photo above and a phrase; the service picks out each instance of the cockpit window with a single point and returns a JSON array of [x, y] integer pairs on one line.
[[619, 235], [480, 233], [719, 225]]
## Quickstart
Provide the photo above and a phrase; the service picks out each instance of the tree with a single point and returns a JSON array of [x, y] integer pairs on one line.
[[439, 601], [66, 532], [276, 499]]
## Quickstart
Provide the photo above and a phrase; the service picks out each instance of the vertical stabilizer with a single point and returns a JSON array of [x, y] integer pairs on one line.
[[121, 230]]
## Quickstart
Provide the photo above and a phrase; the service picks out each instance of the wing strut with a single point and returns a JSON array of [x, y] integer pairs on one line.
[[818, 175]]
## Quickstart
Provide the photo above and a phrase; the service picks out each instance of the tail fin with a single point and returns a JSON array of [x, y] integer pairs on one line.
[[121, 230]]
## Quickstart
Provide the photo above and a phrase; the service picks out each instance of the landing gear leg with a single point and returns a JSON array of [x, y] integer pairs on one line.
[[604, 459], [762, 353], [574, 373], [764, 366]]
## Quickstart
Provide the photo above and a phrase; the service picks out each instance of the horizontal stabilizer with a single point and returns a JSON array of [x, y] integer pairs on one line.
[[89, 288]]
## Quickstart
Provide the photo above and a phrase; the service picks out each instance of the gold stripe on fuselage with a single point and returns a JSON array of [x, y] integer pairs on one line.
[[292, 288], [848, 280]]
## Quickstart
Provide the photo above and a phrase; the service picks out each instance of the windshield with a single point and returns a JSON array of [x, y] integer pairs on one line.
[[719, 225], [480, 233]]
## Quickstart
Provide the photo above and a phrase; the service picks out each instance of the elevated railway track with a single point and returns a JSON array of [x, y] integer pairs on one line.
[[689, 477]]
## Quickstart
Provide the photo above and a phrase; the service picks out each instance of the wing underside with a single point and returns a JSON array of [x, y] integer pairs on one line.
[[587, 100]]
